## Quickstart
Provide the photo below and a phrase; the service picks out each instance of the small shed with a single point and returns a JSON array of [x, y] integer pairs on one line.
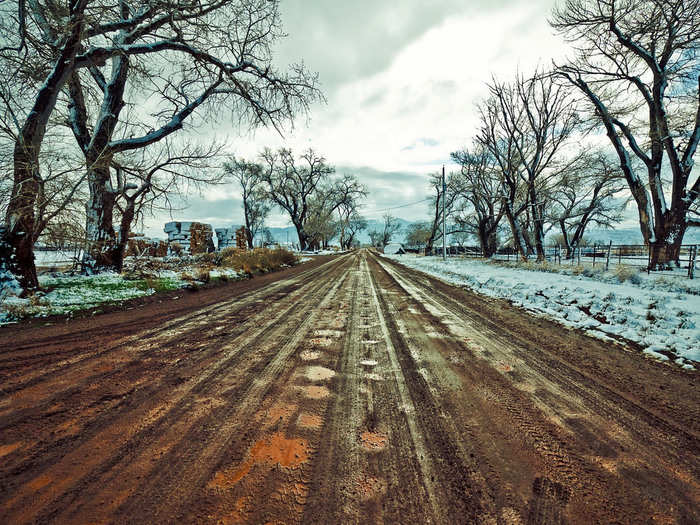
[[394, 248]]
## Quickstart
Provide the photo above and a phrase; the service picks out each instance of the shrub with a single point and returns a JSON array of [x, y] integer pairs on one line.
[[208, 259], [202, 275], [578, 269], [626, 273], [37, 299], [258, 260], [176, 248], [592, 271], [18, 311]]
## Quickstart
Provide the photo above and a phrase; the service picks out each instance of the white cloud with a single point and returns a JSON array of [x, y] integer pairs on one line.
[[401, 100]]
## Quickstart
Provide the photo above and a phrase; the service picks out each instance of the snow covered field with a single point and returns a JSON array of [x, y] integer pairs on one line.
[[79, 292], [659, 312], [63, 293], [44, 258]]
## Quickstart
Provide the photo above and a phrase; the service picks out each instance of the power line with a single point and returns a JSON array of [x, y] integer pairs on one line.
[[402, 206]]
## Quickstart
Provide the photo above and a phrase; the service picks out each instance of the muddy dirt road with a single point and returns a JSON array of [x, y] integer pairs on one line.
[[350, 390]]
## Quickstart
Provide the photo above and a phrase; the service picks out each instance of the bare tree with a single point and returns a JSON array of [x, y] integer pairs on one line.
[[60, 181], [355, 224], [255, 205], [348, 193], [292, 184], [482, 211], [321, 224], [450, 197], [145, 179], [417, 235], [637, 66], [217, 50], [525, 125], [501, 145], [587, 194], [390, 227]]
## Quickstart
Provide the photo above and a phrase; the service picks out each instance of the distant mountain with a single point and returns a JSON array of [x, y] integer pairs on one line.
[[617, 236], [634, 236], [289, 234]]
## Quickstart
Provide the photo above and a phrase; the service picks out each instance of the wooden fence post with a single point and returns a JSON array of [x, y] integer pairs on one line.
[[607, 258], [593, 255], [691, 262]]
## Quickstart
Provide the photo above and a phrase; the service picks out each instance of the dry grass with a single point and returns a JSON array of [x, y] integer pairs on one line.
[[259, 260], [626, 273], [202, 275]]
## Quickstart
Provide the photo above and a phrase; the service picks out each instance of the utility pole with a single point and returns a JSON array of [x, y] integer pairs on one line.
[[444, 192]]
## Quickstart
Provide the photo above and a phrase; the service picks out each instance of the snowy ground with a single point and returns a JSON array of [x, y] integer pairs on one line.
[[660, 313], [142, 276], [48, 258], [78, 292]]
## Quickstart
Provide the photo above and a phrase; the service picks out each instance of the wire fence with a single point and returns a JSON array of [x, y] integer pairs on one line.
[[606, 255]]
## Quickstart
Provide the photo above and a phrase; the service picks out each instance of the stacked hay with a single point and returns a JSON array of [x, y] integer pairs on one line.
[[226, 237], [194, 237], [201, 240], [242, 238], [160, 249]]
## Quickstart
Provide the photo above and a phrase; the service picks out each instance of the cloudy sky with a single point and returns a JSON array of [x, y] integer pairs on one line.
[[401, 81]]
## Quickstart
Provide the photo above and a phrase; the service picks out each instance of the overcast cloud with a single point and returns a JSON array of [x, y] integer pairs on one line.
[[401, 81]]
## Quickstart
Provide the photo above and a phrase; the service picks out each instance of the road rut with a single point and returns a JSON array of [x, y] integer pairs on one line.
[[353, 390]]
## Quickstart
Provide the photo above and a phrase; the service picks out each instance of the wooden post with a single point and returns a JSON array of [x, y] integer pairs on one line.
[[691, 263], [607, 258], [619, 255], [593, 255]]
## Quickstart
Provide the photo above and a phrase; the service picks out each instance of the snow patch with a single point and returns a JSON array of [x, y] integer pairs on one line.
[[660, 313]]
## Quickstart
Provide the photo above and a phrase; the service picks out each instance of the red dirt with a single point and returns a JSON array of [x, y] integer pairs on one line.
[[348, 389]]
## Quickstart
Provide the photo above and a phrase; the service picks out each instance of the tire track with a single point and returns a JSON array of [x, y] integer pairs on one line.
[[568, 454], [170, 412], [189, 473]]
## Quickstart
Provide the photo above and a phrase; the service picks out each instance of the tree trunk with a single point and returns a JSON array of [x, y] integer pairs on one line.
[[304, 238], [124, 230], [666, 249], [20, 218], [246, 213], [102, 251], [20, 215], [539, 240], [518, 239], [487, 238], [537, 222], [565, 240], [491, 243]]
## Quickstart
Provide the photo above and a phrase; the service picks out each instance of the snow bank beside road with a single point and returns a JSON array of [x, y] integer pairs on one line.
[[660, 314]]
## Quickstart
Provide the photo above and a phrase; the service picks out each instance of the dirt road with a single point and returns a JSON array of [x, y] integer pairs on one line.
[[350, 390]]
